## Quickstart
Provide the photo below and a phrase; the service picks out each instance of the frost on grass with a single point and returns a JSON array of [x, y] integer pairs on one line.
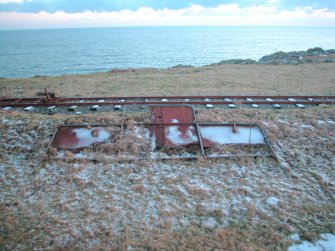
[[242, 204], [272, 201], [326, 243]]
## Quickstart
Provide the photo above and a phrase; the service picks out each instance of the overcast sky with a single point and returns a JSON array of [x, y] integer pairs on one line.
[[31, 14]]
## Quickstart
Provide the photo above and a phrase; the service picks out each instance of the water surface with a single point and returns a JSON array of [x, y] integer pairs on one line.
[[27, 53]]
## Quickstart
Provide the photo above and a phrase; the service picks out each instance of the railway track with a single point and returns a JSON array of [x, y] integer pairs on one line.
[[210, 101]]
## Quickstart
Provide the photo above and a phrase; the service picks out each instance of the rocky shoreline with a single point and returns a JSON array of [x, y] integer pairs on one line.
[[313, 55]]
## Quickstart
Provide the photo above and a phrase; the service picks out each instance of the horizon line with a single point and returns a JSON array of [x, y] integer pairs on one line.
[[167, 26]]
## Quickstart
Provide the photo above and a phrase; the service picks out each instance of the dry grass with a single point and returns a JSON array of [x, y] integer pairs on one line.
[[112, 204], [203, 205], [224, 79]]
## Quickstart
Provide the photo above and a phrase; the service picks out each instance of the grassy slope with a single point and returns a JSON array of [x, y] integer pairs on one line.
[[78, 205], [224, 79]]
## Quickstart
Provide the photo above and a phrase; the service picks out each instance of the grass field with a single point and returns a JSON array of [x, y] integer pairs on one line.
[[72, 203], [224, 79]]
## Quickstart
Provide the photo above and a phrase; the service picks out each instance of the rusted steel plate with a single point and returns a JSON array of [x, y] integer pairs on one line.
[[173, 135], [69, 137], [157, 135], [212, 135], [172, 114]]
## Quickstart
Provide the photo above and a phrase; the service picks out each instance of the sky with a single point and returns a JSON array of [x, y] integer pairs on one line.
[[40, 14]]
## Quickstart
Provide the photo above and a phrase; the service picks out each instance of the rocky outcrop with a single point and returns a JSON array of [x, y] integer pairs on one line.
[[181, 66], [314, 55], [236, 61]]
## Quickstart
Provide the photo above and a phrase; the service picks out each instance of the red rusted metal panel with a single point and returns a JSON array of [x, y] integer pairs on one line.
[[172, 114], [78, 137], [157, 134], [173, 135]]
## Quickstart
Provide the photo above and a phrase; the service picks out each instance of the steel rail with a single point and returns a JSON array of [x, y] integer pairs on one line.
[[176, 97], [51, 103], [169, 100]]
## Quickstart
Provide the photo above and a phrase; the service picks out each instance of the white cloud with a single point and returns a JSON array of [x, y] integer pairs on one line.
[[14, 1], [273, 2], [229, 15]]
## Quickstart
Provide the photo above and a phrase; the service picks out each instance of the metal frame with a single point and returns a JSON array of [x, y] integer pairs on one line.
[[196, 124]]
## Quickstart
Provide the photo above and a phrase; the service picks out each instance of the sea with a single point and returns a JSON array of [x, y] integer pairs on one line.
[[54, 52]]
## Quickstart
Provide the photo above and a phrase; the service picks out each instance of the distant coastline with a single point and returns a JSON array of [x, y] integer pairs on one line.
[[311, 56]]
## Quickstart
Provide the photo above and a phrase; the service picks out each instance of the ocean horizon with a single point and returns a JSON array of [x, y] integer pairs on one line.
[[54, 52]]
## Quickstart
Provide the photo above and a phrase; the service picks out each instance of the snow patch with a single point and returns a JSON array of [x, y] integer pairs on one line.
[[210, 223], [269, 124], [272, 201], [283, 121], [295, 237], [86, 138], [327, 243], [225, 135], [176, 136], [153, 142], [306, 126]]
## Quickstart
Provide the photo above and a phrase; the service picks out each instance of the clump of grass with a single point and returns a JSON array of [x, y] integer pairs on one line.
[[116, 70], [68, 157], [139, 188], [198, 192], [39, 76], [53, 151]]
